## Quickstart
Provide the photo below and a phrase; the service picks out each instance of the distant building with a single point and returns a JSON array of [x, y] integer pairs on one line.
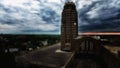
[[69, 26]]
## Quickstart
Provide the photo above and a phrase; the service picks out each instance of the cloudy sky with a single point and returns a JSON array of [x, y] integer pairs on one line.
[[44, 16]]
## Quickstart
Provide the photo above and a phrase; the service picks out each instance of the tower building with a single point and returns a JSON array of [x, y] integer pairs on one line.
[[69, 25]]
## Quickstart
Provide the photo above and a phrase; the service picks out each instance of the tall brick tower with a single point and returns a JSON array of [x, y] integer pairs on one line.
[[69, 26]]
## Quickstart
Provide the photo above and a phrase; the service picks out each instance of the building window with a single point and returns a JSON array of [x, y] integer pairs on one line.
[[82, 46], [91, 46], [86, 46]]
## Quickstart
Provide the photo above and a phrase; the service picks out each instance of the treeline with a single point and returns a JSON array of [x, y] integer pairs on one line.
[[24, 42]]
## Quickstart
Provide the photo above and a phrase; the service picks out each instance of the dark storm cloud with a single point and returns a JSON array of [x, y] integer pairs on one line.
[[103, 26], [100, 16], [49, 15]]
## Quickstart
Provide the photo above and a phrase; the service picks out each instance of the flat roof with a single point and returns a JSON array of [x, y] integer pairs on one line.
[[50, 56]]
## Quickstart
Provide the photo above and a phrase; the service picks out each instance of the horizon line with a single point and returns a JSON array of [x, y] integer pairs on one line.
[[99, 33]]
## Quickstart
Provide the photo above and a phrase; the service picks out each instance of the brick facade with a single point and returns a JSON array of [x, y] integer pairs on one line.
[[69, 25]]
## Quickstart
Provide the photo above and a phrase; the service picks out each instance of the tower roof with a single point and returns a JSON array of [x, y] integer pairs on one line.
[[70, 5]]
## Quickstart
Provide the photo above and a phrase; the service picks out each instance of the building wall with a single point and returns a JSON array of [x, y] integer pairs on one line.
[[86, 45], [69, 25]]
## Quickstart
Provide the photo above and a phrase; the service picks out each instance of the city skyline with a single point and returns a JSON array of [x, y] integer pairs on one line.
[[44, 16]]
